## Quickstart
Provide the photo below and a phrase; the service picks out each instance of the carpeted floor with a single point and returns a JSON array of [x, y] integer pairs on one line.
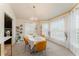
[[7, 49], [52, 50]]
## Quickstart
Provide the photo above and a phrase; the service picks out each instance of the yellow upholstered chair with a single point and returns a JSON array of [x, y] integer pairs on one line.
[[26, 40], [40, 46]]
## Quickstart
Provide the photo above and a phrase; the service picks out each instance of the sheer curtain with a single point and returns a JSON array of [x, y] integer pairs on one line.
[[30, 28], [57, 29]]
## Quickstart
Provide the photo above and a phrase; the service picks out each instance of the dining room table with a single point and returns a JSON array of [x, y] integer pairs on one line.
[[34, 39]]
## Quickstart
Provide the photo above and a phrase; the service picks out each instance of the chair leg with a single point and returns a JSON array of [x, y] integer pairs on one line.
[[32, 51], [45, 52], [25, 47]]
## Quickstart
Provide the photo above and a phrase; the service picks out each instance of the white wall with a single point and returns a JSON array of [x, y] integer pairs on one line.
[[1, 23], [21, 22], [5, 8]]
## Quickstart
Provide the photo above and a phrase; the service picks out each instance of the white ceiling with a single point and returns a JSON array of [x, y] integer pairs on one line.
[[42, 11]]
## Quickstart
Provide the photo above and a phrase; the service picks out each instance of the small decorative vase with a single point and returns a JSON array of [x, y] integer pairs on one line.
[[7, 33]]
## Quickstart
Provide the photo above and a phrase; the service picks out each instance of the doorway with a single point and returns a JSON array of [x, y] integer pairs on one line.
[[8, 33]]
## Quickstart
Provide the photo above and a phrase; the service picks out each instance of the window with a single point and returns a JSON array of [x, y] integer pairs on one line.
[[77, 26], [30, 28], [57, 29], [45, 29], [74, 27]]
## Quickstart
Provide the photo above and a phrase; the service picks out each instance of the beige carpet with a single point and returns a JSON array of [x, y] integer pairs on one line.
[[52, 50]]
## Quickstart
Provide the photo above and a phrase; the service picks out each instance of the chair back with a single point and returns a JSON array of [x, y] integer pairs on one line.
[[40, 46], [26, 39]]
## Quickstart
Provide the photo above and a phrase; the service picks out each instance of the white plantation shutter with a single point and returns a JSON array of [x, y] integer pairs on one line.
[[45, 29], [77, 26], [74, 27], [57, 29]]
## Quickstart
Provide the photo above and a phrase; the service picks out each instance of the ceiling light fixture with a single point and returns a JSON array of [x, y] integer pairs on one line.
[[33, 6], [34, 18]]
